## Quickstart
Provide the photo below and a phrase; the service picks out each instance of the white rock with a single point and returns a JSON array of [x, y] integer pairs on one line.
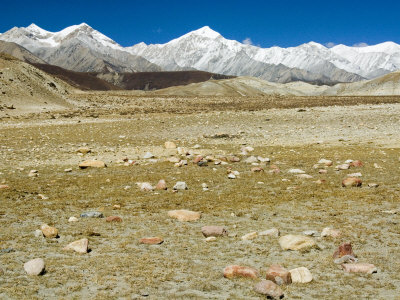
[[301, 275], [296, 171], [180, 185], [251, 159], [211, 239], [35, 266], [249, 236], [148, 155], [145, 186], [73, 219], [263, 159], [358, 174], [231, 176], [270, 232], [304, 176]]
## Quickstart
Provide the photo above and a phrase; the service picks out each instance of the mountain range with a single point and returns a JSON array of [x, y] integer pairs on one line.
[[84, 49]]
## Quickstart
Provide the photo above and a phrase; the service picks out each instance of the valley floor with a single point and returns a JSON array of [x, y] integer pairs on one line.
[[185, 266]]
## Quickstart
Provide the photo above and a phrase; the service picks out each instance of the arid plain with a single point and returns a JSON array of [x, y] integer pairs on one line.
[[231, 134]]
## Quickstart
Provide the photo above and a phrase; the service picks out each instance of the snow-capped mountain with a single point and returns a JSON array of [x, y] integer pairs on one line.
[[79, 48], [82, 48]]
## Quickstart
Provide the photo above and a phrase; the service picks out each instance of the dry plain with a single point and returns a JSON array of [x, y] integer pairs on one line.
[[292, 132]]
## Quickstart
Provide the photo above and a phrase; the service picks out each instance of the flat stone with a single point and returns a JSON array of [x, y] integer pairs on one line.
[[263, 159], [240, 271], [311, 233], [343, 167], [184, 215], [249, 236], [345, 259], [296, 171], [304, 176], [48, 231], [257, 170], [180, 185], [73, 219], [151, 240], [145, 186], [148, 155], [92, 164], [251, 159], [352, 182], [344, 249], [215, 231], [373, 185], [269, 289], [278, 274], [325, 162], [4, 186], [113, 219], [231, 176], [270, 232], [301, 275], [210, 239], [360, 268], [84, 150], [80, 246], [296, 242], [92, 214], [35, 267]]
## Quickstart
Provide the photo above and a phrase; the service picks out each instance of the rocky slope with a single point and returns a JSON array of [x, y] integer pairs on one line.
[[19, 52]]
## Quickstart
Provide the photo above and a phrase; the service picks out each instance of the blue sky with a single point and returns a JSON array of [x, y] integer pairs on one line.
[[265, 23]]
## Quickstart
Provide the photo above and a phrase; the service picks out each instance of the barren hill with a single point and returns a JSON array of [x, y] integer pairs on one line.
[[19, 52], [24, 88]]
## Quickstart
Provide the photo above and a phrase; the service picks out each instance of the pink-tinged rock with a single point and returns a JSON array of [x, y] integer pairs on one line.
[[161, 185], [257, 170], [240, 271], [344, 249], [360, 268], [35, 267], [4, 186], [151, 240], [197, 159], [352, 182], [269, 289], [48, 231], [274, 169], [215, 231], [80, 246], [113, 219], [356, 163], [184, 215], [320, 181], [233, 158], [326, 162], [278, 274], [92, 164], [330, 232], [322, 171]]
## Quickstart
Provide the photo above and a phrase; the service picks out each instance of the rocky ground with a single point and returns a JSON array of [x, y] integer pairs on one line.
[[230, 183]]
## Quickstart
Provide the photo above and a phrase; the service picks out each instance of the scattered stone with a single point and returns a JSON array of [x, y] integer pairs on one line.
[[231, 176], [352, 182], [43, 197], [360, 268], [322, 171], [73, 219], [296, 171], [296, 242], [240, 271], [38, 233], [269, 289], [311, 233], [345, 259], [358, 174], [180, 185], [257, 170], [278, 274], [373, 185], [169, 145], [249, 236], [48, 231], [197, 146], [174, 159], [301, 275], [263, 159], [357, 163], [68, 170], [327, 231], [197, 159], [215, 231], [145, 186], [84, 150], [151, 240], [116, 206], [4, 186], [376, 166], [251, 159], [343, 167], [233, 159], [344, 249], [33, 173], [113, 219], [80, 246], [161, 185], [184, 215], [325, 162], [202, 163], [92, 164], [248, 149], [211, 239], [7, 250], [35, 267], [92, 214], [320, 181], [270, 232], [148, 155], [304, 176]]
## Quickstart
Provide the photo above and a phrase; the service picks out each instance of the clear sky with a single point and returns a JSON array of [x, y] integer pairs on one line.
[[266, 23]]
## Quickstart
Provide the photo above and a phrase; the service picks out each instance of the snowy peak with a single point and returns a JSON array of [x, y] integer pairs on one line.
[[205, 32]]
